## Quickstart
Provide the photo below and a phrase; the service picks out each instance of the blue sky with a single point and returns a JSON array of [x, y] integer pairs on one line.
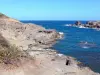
[[51, 9]]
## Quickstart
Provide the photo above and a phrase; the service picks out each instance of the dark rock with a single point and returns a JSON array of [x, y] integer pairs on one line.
[[68, 62], [89, 22], [98, 25], [78, 23]]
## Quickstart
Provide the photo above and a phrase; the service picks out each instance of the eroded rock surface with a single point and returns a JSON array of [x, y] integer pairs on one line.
[[27, 36]]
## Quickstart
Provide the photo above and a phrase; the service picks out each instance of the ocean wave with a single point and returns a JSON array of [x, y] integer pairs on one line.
[[86, 45], [82, 27], [61, 35], [97, 29], [68, 25]]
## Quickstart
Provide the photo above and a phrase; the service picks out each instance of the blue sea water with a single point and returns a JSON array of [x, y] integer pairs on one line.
[[81, 43]]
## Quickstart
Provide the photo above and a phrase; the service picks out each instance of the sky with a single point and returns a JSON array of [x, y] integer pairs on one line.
[[51, 9]]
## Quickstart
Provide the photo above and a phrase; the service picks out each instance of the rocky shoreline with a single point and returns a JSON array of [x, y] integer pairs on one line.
[[88, 24], [36, 42]]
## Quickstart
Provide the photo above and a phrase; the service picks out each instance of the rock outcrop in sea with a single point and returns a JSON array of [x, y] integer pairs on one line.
[[89, 24], [25, 50]]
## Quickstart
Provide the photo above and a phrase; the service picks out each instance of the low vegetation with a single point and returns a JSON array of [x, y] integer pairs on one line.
[[10, 54]]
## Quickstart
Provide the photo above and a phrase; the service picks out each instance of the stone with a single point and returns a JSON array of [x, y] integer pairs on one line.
[[78, 23]]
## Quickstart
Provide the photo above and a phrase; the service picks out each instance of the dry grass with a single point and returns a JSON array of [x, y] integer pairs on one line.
[[10, 55], [7, 52], [12, 58]]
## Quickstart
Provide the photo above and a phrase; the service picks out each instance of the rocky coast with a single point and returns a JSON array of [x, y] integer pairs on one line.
[[88, 24], [33, 55]]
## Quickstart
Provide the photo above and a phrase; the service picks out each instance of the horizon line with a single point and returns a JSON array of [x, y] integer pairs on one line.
[[59, 20]]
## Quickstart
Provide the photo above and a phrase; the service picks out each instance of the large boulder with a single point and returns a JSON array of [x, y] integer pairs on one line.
[[78, 23], [91, 24]]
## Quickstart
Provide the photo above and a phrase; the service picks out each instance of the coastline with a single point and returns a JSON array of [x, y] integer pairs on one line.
[[34, 40]]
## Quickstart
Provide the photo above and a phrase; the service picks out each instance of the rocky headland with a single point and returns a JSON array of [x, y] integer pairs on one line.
[[25, 50]]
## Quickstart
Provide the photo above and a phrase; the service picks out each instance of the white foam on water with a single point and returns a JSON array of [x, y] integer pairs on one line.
[[82, 27], [61, 33], [68, 25], [97, 29], [85, 47]]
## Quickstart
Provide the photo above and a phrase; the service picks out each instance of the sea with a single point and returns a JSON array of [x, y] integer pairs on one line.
[[78, 42]]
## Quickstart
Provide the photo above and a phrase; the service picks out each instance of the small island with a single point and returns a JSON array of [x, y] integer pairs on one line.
[[88, 24]]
